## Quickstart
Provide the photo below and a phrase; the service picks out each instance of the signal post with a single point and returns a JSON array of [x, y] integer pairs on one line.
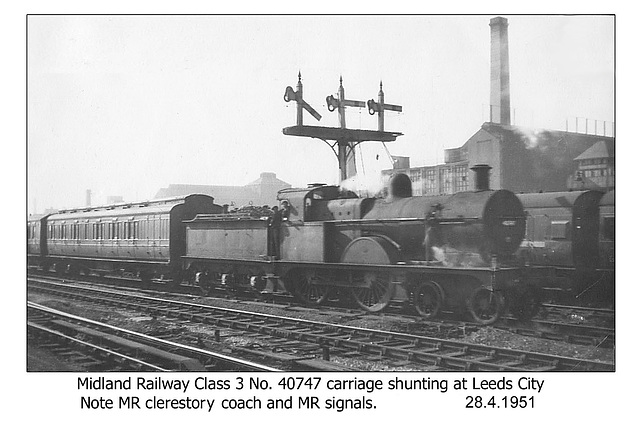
[[341, 140]]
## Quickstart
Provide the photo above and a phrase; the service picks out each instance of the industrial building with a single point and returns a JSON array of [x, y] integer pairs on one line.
[[521, 159]]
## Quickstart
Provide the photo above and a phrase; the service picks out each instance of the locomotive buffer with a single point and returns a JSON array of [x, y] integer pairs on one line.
[[343, 138]]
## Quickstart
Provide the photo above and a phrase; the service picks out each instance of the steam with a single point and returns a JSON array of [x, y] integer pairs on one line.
[[532, 138], [365, 185]]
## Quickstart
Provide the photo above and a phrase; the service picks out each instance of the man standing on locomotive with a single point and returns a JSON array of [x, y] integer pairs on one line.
[[274, 223]]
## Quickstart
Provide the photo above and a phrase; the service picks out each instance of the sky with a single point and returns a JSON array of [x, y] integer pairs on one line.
[[126, 105]]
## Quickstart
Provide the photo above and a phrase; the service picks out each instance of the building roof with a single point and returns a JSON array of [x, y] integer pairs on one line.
[[261, 191], [600, 150], [534, 133], [268, 178], [219, 192]]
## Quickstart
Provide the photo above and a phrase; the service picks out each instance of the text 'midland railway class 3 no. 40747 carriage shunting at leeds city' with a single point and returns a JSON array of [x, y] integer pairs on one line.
[[459, 252]]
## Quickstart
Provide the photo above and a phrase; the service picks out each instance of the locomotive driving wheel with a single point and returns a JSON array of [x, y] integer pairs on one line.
[[375, 291], [372, 289], [428, 299], [304, 286], [485, 306]]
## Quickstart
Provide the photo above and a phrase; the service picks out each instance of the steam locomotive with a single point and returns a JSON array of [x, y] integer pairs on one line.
[[453, 252]]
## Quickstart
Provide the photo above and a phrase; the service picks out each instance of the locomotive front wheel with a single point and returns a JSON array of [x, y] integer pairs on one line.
[[376, 291], [303, 288], [485, 306], [428, 299]]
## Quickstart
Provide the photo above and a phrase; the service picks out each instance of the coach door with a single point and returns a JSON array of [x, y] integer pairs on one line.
[[585, 230]]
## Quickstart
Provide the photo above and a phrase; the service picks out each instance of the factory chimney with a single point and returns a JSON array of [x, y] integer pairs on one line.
[[88, 198], [500, 103]]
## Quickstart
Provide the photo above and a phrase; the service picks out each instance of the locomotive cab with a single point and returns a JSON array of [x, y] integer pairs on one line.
[[314, 204]]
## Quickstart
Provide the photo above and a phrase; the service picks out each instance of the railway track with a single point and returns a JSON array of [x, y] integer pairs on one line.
[[302, 340], [572, 324], [96, 346]]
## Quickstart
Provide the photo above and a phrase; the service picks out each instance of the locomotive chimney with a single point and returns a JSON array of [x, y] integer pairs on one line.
[[482, 176], [399, 187], [499, 102]]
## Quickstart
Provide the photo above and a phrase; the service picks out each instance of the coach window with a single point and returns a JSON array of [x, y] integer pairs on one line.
[[152, 228], [608, 229], [559, 230]]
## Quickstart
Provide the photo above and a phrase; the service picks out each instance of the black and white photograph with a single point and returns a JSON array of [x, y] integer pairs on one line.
[[320, 215]]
